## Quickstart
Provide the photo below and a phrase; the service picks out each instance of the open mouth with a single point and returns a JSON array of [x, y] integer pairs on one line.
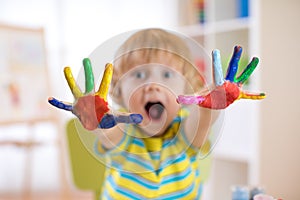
[[154, 110]]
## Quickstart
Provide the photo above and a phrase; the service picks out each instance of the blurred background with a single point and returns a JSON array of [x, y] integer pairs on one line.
[[259, 145]]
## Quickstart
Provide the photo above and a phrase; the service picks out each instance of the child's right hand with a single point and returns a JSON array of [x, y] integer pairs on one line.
[[91, 107]]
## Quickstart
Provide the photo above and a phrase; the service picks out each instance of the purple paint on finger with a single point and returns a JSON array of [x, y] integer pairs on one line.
[[188, 100]]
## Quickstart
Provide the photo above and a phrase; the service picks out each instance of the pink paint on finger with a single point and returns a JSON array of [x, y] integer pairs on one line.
[[189, 100]]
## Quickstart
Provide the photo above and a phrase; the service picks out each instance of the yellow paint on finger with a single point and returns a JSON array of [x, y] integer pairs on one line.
[[72, 84], [105, 82], [245, 95]]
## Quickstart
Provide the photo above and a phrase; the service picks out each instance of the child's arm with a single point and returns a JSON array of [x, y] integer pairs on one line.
[[198, 124], [225, 92], [92, 108]]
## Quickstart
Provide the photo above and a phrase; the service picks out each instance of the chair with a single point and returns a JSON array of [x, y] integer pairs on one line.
[[87, 171]]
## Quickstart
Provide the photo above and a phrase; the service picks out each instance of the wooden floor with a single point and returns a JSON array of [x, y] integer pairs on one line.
[[74, 195]]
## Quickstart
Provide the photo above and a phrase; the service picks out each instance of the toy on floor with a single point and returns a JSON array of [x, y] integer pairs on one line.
[[264, 197], [226, 90], [91, 107], [246, 193]]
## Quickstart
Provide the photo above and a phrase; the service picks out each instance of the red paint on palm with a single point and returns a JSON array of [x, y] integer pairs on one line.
[[90, 110], [222, 96]]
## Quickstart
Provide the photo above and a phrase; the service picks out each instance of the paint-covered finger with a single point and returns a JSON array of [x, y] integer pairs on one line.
[[89, 76], [253, 96], [109, 120], [60, 104], [234, 63], [105, 82], [217, 68], [189, 100], [72, 84], [129, 119], [247, 71]]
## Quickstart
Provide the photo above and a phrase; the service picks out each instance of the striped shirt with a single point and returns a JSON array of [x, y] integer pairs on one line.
[[163, 167]]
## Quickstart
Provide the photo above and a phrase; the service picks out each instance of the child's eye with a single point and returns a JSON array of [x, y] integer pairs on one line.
[[140, 75], [167, 74]]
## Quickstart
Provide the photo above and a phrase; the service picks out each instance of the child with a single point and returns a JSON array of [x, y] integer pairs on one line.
[[158, 158]]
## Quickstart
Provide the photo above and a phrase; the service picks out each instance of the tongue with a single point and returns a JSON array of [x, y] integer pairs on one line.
[[156, 111]]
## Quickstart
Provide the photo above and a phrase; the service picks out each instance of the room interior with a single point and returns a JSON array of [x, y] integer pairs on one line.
[[259, 142]]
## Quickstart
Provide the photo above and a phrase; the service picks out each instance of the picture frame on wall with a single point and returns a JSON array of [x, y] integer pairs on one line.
[[24, 81]]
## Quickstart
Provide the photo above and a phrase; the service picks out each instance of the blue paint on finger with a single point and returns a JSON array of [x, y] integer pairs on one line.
[[108, 121], [129, 119], [234, 63], [135, 118], [217, 68], [59, 104]]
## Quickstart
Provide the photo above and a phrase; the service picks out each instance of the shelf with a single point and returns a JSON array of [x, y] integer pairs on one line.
[[231, 155], [216, 27], [232, 25], [229, 23]]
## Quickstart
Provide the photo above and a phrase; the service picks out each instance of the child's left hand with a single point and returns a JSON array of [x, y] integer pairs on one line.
[[227, 90]]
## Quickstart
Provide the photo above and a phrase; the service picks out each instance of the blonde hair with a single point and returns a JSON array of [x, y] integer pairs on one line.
[[147, 45]]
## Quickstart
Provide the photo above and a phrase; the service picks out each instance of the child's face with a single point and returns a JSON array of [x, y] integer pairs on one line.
[[151, 90]]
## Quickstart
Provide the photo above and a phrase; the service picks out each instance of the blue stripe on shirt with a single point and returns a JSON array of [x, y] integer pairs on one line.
[[138, 160], [143, 182], [138, 142], [173, 160], [177, 177]]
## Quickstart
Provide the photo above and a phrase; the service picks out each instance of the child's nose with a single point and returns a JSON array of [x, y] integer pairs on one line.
[[152, 87]]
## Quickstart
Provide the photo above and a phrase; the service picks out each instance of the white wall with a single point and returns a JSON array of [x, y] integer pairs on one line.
[[87, 24], [43, 162], [280, 125], [73, 29]]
